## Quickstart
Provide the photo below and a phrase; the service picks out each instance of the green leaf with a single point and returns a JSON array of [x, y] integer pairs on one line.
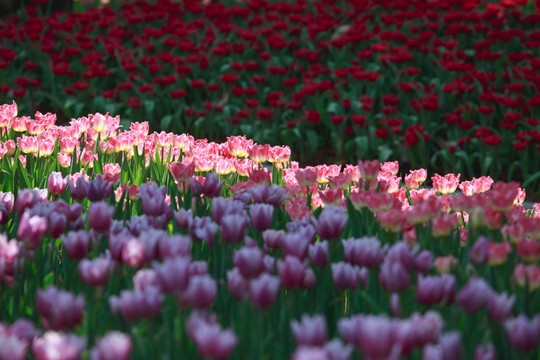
[[166, 121], [333, 108], [149, 106], [312, 139]]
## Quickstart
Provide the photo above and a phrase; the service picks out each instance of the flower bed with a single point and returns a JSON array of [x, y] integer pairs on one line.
[[121, 244], [441, 85]]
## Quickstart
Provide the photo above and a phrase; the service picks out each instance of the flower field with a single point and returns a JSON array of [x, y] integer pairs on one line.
[[186, 227]]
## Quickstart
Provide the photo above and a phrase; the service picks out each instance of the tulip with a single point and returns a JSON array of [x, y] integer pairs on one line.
[[99, 189], [145, 303], [56, 183], [523, 333], [237, 285], [172, 274], [54, 346], [76, 244], [212, 185], [310, 331], [95, 272], [500, 306], [331, 222], [433, 290], [234, 227], [394, 276], [100, 216], [291, 272], [264, 290], [59, 310], [261, 216], [31, 229], [485, 352], [474, 295], [12, 348], [114, 346], [479, 253], [200, 292], [366, 252], [318, 253], [249, 260]]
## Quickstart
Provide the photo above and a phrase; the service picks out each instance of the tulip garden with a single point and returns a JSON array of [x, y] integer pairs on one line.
[[156, 200]]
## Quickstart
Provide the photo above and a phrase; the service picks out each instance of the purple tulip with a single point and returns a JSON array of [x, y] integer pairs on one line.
[[225, 206], [296, 245], [153, 198], [57, 224], [423, 261], [78, 190], [173, 275], [133, 253], [291, 272], [76, 244], [146, 278], [31, 229], [234, 227], [364, 252], [212, 185], [26, 198], [211, 340], [336, 350], [264, 290], [310, 331], [249, 260], [274, 194], [261, 216], [183, 218], [450, 344], [479, 253], [99, 189], [523, 333], [500, 306], [236, 284], [57, 346], [137, 304], [200, 292], [485, 352], [114, 346], [432, 290], [394, 276], [395, 305], [402, 253], [318, 253], [100, 216], [274, 239], [56, 183], [345, 275], [331, 222], [95, 272], [198, 268], [12, 348], [170, 247], [474, 295], [59, 310], [203, 228], [310, 353]]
